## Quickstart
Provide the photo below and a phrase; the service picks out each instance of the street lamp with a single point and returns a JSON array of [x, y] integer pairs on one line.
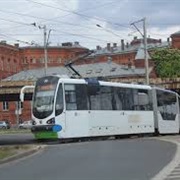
[[107, 30]]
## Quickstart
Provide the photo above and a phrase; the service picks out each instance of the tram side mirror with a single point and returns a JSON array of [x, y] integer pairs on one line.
[[143, 99]]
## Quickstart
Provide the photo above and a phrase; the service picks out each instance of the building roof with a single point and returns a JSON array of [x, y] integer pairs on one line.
[[67, 45], [127, 49], [140, 53], [96, 70], [176, 33]]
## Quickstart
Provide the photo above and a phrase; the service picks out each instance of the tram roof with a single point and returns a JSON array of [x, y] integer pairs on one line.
[[104, 83]]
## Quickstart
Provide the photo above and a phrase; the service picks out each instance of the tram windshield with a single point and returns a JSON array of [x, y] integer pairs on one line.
[[44, 97]]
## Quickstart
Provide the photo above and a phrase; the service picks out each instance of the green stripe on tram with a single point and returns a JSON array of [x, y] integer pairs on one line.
[[46, 135]]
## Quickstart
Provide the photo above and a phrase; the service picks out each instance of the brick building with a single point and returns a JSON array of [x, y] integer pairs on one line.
[[9, 59], [33, 57], [14, 58], [126, 54], [176, 40]]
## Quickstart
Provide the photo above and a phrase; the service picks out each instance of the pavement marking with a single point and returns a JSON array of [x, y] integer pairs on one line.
[[172, 170]]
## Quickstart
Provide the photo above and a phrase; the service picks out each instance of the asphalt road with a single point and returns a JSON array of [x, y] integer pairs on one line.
[[127, 159], [13, 139]]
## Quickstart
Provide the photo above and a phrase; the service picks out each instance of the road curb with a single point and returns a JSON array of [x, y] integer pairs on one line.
[[166, 171], [21, 155]]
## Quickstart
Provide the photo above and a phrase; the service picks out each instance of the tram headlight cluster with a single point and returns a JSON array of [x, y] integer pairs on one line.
[[51, 121]]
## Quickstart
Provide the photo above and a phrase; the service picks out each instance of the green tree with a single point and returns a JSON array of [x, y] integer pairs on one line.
[[167, 62]]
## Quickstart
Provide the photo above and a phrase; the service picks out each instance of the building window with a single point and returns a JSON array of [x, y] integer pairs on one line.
[[41, 60], [5, 106], [59, 60], [34, 60]]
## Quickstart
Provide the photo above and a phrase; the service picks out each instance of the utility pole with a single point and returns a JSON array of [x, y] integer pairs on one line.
[[145, 52], [46, 39], [144, 35], [45, 49]]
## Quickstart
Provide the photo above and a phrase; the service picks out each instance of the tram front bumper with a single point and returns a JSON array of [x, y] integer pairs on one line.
[[46, 131], [41, 128]]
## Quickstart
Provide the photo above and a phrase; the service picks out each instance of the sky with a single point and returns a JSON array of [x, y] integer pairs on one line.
[[90, 22]]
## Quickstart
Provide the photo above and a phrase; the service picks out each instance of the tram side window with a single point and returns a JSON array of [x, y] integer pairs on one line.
[[118, 98], [81, 97], [106, 98], [95, 100], [124, 99], [142, 99], [76, 97], [101, 99], [116, 101], [167, 105], [132, 99], [70, 96]]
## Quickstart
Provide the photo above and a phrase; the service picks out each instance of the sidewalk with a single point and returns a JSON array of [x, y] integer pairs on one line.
[[172, 170]]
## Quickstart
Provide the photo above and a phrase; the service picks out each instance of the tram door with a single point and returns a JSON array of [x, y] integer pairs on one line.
[[76, 110], [59, 111]]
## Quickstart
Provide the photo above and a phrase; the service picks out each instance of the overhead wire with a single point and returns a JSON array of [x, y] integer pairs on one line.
[[73, 34], [157, 34], [87, 9], [17, 40], [30, 24], [81, 35], [17, 22], [79, 14], [31, 16], [36, 17], [82, 16]]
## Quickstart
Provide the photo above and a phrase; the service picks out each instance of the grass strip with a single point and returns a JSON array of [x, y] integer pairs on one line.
[[7, 151], [15, 131]]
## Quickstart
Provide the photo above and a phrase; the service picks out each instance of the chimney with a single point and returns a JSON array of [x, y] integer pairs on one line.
[[127, 45], [16, 45], [98, 47], [76, 43], [122, 44], [114, 45], [109, 46], [3, 42], [160, 41], [67, 44]]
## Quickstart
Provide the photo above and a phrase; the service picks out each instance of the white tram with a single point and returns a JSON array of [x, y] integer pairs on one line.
[[76, 108]]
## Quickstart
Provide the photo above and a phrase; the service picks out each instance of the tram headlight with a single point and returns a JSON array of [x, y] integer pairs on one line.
[[33, 122], [51, 121]]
